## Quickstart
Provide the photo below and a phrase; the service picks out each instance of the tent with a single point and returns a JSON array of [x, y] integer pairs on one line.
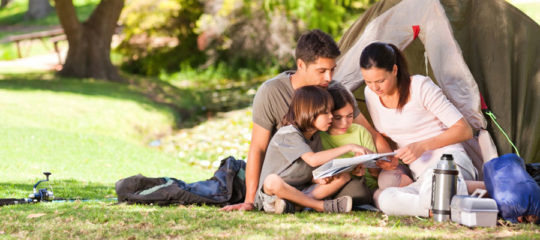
[[468, 47]]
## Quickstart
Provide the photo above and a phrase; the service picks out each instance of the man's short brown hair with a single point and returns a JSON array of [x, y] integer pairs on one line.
[[315, 44]]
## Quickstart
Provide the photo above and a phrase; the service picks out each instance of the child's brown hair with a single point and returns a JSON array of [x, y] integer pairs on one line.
[[341, 97], [307, 103]]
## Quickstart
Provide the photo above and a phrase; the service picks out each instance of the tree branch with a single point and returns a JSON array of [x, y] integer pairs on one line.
[[105, 17], [68, 18]]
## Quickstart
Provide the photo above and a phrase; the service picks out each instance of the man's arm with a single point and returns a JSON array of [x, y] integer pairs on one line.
[[380, 143], [260, 137]]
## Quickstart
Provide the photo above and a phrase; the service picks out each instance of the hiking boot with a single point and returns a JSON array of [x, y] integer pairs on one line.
[[283, 206], [338, 205]]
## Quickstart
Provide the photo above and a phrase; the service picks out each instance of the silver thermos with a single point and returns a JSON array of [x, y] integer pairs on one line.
[[444, 187]]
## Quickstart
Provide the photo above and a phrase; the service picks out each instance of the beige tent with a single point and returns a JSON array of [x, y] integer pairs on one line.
[[468, 47]]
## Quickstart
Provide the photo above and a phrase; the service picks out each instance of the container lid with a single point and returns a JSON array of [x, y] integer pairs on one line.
[[473, 204]]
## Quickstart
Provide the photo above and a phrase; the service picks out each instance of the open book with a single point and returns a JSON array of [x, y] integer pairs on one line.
[[340, 165]]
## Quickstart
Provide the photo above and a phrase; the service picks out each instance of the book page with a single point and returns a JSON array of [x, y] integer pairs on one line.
[[340, 165]]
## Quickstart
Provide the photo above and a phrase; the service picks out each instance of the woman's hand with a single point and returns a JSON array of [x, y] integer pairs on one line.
[[411, 152], [359, 170]]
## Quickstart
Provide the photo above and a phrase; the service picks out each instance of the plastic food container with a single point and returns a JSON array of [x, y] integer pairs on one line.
[[474, 211]]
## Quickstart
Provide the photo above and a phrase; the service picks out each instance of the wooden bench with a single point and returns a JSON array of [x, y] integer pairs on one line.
[[56, 35]]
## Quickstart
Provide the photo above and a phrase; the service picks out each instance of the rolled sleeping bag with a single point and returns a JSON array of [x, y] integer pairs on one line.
[[514, 190]]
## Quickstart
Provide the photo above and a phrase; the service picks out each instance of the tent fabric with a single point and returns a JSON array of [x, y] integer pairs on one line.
[[474, 47]]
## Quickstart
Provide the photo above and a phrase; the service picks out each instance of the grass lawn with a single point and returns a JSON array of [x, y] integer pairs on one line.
[[103, 221], [89, 131], [90, 134]]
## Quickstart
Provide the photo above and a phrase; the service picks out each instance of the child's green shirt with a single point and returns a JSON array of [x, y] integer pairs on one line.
[[356, 134]]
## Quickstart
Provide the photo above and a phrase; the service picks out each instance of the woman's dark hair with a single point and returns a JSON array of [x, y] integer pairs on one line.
[[307, 103], [315, 44], [341, 96], [384, 56]]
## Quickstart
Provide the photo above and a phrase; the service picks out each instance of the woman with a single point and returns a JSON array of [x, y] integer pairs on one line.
[[414, 113]]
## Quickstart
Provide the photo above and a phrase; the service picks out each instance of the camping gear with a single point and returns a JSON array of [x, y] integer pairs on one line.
[[34, 197], [469, 47], [534, 170], [227, 186], [42, 194], [474, 211], [516, 193], [444, 187]]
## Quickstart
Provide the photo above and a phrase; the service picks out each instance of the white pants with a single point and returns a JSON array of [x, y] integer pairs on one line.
[[415, 199]]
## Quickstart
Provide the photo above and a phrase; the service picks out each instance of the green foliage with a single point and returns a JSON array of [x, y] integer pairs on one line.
[[330, 16], [248, 39], [218, 75], [159, 36]]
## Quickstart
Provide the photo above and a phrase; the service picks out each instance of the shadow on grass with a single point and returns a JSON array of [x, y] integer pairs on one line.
[[67, 189], [191, 106]]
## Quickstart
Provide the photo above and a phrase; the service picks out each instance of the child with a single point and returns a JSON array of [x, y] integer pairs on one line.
[[343, 131], [289, 161]]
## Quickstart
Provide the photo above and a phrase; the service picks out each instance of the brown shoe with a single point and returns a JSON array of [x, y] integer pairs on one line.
[[338, 205]]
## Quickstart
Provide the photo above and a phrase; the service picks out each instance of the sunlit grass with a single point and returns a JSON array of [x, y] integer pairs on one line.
[[102, 220], [206, 144], [86, 130]]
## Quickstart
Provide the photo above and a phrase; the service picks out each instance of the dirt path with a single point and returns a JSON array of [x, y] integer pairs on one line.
[[33, 63]]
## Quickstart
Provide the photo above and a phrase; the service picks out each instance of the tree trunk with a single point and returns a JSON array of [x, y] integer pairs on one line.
[[4, 3], [90, 42], [38, 9]]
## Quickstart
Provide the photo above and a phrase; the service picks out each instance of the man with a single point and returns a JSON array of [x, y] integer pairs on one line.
[[315, 53]]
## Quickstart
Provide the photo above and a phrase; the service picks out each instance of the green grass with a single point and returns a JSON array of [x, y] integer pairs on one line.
[[104, 221], [206, 144], [83, 130]]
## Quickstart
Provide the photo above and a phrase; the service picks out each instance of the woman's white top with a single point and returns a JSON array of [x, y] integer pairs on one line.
[[427, 114]]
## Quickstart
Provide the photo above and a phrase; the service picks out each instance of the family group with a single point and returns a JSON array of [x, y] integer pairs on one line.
[[303, 119]]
